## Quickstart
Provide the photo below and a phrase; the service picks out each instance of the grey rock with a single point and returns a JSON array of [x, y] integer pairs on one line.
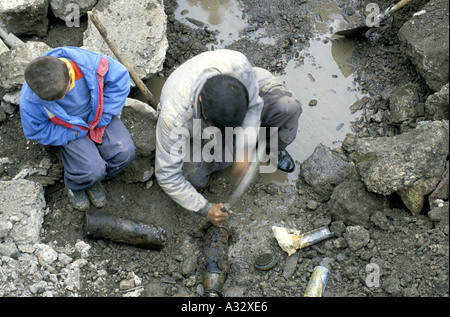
[[387, 165], [440, 213], [425, 40], [38, 287], [353, 204], [403, 101], [12, 97], [23, 200], [410, 292], [437, 105], [380, 220], [14, 62], [3, 47], [2, 115], [24, 17], [8, 249], [7, 107], [46, 254], [414, 196], [356, 237], [83, 248], [290, 266], [140, 22], [325, 169], [338, 228], [392, 286]]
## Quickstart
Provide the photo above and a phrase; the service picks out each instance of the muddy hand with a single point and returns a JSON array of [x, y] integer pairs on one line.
[[218, 214]]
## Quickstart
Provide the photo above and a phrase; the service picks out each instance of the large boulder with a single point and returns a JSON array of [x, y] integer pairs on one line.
[[425, 40], [325, 169], [437, 104], [410, 164], [24, 17], [14, 62], [403, 103], [138, 27], [353, 204], [22, 211]]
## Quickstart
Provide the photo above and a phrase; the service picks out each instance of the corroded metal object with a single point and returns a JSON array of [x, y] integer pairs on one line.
[[291, 240], [318, 282], [216, 260], [265, 261], [100, 225], [315, 236]]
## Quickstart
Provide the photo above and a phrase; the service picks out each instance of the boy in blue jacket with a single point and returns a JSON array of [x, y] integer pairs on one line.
[[71, 99]]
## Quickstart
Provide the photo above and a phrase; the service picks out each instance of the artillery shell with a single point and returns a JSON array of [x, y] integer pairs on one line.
[[105, 226], [318, 282], [314, 236], [216, 261]]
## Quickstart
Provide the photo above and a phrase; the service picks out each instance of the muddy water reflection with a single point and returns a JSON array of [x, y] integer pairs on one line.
[[225, 16], [321, 74]]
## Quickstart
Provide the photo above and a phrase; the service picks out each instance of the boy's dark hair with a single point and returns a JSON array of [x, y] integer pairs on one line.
[[48, 77], [225, 101]]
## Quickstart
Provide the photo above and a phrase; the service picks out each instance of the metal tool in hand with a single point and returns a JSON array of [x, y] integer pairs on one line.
[[361, 30], [246, 180]]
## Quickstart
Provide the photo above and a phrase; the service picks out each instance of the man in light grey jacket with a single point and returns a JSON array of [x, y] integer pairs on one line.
[[203, 98]]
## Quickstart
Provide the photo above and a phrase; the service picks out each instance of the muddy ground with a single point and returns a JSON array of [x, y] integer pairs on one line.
[[410, 252]]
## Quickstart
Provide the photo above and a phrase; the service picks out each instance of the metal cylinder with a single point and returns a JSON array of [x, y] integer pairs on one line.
[[101, 225], [216, 261], [318, 282], [314, 236]]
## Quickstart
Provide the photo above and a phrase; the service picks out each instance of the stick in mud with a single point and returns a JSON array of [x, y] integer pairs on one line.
[[115, 49]]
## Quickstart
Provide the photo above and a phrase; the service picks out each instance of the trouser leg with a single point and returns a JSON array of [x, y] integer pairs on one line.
[[281, 109], [117, 148], [87, 163], [198, 173]]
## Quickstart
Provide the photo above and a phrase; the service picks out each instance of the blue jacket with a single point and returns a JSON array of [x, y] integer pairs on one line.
[[108, 82]]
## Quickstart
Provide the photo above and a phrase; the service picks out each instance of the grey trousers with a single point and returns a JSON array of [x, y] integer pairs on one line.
[[282, 109], [87, 163]]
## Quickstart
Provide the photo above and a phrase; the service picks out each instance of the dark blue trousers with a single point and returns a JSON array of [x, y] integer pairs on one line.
[[87, 163]]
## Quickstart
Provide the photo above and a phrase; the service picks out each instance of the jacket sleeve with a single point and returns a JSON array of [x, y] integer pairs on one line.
[[115, 91], [38, 127], [169, 166]]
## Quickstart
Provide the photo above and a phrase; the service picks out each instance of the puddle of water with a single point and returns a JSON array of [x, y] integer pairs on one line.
[[321, 73], [224, 16]]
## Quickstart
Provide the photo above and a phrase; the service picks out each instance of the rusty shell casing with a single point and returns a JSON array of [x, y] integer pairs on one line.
[[216, 261], [318, 282], [99, 225], [314, 236]]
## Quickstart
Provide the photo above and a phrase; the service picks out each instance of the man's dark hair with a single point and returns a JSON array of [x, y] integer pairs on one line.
[[224, 100], [48, 77]]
